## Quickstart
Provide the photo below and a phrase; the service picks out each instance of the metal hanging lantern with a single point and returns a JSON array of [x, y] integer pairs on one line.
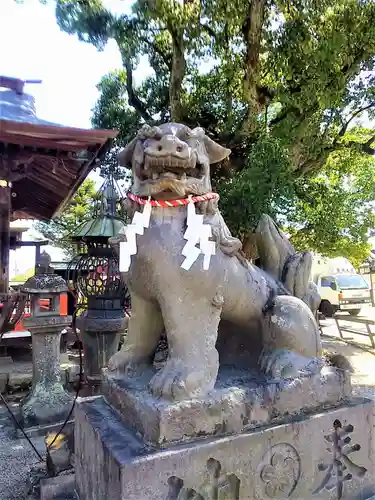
[[95, 270], [102, 296]]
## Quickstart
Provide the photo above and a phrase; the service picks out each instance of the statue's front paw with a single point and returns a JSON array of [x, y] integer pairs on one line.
[[127, 361], [170, 382], [179, 380], [281, 363]]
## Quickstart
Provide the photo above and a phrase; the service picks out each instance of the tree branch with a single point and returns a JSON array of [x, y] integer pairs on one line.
[[210, 31], [167, 60], [366, 147], [280, 117], [314, 163], [133, 99], [356, 113], [347, 70]]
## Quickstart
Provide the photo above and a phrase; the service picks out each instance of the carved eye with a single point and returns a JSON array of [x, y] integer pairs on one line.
[[179, 149], [160, 148]]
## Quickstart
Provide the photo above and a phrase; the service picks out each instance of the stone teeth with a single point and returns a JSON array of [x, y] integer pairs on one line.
[[167, 162]]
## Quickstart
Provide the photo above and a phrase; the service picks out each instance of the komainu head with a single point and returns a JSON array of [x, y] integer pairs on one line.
[[171, 161]]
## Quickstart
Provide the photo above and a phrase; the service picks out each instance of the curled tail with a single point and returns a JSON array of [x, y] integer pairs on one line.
[[279, 258]]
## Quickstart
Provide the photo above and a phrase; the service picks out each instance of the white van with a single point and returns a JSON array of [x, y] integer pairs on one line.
[[339, 286]]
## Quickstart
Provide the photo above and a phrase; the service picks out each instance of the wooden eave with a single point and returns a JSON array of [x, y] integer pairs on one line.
[[52, 137], [58, 159]]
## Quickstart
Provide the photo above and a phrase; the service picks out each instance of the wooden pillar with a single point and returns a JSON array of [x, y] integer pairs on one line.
[[5, 236]]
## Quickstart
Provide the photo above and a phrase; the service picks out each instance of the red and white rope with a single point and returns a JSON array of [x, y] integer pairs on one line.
[[173, 203]]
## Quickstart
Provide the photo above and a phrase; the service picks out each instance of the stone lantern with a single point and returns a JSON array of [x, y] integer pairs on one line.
[[48, 403]]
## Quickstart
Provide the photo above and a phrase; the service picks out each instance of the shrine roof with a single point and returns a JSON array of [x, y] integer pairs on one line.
[[49, 161]]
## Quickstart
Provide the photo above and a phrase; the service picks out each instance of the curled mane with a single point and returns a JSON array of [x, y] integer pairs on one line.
[[227, 243]]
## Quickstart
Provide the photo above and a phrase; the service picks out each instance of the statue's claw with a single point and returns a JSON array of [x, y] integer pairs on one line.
[[280, 363], [178, 380], [170, 382]]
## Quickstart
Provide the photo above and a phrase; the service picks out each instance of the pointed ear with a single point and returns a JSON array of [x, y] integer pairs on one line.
[[125, 156], [215, 152]]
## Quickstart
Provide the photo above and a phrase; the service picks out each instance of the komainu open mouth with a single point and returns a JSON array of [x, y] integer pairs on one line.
[[171, 159], [170, 167]]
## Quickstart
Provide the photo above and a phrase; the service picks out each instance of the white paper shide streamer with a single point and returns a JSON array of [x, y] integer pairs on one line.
[[129, 247], [197, 233]]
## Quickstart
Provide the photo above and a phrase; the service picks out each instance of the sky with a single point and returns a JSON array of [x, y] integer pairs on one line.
[[33, 47]]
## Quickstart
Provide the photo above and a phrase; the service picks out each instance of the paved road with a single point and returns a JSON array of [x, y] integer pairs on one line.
[[362, 358], [368, 312]]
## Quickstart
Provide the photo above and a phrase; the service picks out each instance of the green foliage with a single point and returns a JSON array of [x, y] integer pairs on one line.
[[333, 210], [21, 278], [112, 111], [79, 210], [109, 166], [264, 185], [282, 83]]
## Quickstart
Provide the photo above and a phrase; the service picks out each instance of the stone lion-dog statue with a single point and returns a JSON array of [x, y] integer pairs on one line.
[[170, 165]]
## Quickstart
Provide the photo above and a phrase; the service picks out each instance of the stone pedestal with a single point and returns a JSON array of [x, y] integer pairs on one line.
[[311, 457], [304, 439], [101, 329], [48, 403], [242, 400]]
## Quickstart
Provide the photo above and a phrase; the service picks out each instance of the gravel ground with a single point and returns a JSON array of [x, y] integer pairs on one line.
[[16, 460]]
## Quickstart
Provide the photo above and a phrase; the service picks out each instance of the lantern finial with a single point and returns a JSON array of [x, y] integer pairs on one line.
[[43, 266]]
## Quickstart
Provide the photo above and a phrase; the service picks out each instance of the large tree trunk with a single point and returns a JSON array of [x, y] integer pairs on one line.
[[252, 32], [177, 76]]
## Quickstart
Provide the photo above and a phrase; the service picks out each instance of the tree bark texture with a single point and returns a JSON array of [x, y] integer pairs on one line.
[[177, 76], [252, 32]]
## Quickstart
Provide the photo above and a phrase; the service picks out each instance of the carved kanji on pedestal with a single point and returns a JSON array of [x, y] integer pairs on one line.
[[340, 468], [218, 486]]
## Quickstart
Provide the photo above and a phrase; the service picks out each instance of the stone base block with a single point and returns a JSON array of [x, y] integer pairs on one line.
[[46, 405], [241, 400], [58, 488], [323, 456]]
